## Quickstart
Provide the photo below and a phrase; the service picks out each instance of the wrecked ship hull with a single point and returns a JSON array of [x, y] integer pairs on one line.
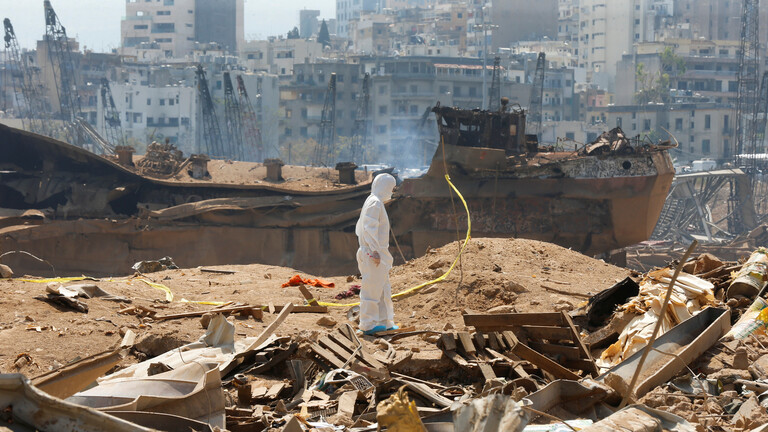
[[590, 204], [106, 217]]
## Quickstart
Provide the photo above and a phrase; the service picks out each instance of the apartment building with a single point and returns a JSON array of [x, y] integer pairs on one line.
[[371, 34], [278, 56], [711, 69], [520, 20], [308, 23], [303, 97], [610, 29], [348, 10], [150, 113], [173, 26]]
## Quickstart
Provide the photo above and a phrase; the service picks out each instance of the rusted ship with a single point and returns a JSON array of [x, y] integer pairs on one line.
[[86, 213]]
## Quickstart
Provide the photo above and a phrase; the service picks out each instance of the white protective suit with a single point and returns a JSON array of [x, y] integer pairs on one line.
[[372, 231]]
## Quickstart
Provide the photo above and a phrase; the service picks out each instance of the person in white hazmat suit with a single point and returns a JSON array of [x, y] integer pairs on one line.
[[374, 259]]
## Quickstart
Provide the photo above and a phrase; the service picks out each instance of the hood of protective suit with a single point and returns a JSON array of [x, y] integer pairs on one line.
[[382, 187]]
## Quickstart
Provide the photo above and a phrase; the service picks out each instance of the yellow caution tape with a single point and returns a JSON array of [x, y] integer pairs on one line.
[[62, 280], [210, 303], [161, 287], [433, 281]]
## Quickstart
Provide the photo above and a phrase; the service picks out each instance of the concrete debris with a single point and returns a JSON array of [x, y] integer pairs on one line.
[[5, 272], [639, 418], [164, 263], [490, 414]]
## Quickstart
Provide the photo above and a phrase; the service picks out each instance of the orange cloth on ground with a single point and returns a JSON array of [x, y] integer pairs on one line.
[[297, 280]]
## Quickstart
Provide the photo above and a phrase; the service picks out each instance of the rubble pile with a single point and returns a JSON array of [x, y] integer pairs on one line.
[[161, 160], [523, 336]]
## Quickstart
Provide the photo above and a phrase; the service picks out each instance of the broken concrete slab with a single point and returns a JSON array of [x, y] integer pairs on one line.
[[490, 414], [5, 272], [640, 418]]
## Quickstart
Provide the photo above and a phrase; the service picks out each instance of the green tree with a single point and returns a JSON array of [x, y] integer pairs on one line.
[[294, 34], [324, 37], [654, 87]]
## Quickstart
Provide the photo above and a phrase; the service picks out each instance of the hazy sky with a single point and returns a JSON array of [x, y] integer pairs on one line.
[[96, 23]]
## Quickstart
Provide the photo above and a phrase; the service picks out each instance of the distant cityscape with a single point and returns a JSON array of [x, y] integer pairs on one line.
[[656, 68]]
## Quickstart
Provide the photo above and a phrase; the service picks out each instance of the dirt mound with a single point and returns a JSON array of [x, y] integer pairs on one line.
[[524, 275]]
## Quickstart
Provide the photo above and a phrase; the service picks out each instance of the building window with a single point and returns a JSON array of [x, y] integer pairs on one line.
[[618, 121], [288, 131], [382, 110], [288, 113], [303, 132], [414, 109], [149, 101], [678, 124], [163, 28], [707, 121], [383, 90], [140, 27], [171, 101], [167, 2], [705, 146], [647, 124], [382, 129], [162, 102], [163, 12]]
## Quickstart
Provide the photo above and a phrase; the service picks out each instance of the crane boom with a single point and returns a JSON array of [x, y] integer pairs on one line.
[[327, 141], [25, 83], [64, 69], [494, 104], [361, 121], [233, 118], [250, 124], [113, 129], [211, 130], [537, 94]]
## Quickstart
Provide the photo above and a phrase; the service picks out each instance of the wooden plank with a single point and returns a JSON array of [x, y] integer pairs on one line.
[[465, 341], [487, 371], [493, 342], [568, 352], [459, 360], [210, 270], [348, 332], [334, 348], [514, 363], [303, 309], [426, 392], [548, 333], [308, 295], [514, 319], [258, 393], [267, 332], [274, 391], [585, 354], [326, 355], [479, 340], [203, 312], [580, 364], [500, 340], [362, 353], [449, 341], [539, 360]]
